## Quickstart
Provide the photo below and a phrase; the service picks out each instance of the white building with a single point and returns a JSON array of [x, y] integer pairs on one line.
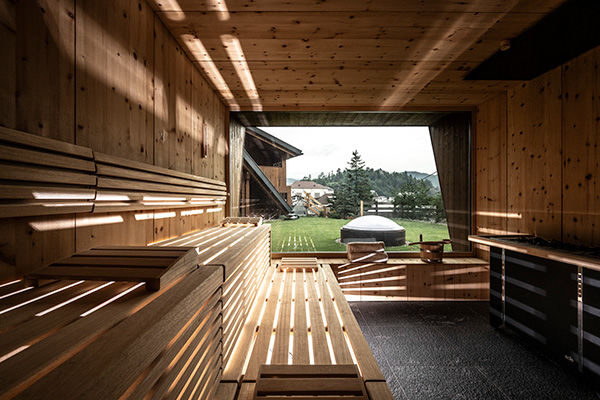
[[315, 189]]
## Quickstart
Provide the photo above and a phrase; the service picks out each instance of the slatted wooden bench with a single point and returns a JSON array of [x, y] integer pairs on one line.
[[405, 279], [299, 318], [111, 339], [107, 340], [305, 382], [155, 266], [129, 185], [205, 334], [244, 252], [41, 176]]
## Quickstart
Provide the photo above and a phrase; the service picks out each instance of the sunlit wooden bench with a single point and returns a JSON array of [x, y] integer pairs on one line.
[[206, 332], [300, 318], [99, 337], [41, 176]]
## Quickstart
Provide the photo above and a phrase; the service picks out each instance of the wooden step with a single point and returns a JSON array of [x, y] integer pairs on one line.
[[309, 382]]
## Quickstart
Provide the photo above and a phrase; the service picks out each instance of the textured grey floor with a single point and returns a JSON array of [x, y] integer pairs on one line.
[[439, 350]]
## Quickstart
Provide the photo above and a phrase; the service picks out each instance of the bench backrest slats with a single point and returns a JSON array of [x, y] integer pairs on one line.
[[41, 176]]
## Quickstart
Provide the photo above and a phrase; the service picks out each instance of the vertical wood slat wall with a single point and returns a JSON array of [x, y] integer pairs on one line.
[[537, 156], [111, 77]]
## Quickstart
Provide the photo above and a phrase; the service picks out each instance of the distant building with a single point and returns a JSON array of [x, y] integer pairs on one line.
[[264, 189], [316, 190]]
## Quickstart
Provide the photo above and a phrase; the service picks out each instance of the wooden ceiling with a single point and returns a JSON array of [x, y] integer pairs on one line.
[[347, 54], [338, 118]]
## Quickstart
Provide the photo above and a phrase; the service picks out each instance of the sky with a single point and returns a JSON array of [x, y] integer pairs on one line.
[[329, 148]]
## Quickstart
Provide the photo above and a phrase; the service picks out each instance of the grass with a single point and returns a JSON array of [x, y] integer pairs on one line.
[[320, 234]]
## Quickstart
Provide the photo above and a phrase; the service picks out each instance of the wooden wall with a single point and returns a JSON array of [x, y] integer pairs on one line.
[[107, 75], [450, 140], [237, 133], [278, 177], [537, 156]]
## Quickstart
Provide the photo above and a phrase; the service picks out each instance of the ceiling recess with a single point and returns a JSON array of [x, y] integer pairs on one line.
[[572, 29]]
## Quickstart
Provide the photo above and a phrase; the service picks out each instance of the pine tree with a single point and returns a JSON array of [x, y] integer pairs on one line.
[[354, 188]]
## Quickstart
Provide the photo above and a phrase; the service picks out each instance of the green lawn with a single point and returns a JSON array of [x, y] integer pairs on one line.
[[320, 234]]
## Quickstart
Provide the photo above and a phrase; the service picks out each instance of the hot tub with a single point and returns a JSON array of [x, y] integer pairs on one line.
[[373, 228]]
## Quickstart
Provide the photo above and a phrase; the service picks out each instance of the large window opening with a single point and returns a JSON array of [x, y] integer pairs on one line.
[[320, 187]]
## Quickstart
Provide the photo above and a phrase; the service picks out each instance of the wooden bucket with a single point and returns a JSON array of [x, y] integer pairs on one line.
[[433, 251]]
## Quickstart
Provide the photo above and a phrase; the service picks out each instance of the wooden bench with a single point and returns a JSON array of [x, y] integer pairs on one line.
[[41, 176], [206, 333], [405, 279], [107, 340], [128, 185], [244, 252], [155, 266], [300, 317], [112, 339], [309, 382]]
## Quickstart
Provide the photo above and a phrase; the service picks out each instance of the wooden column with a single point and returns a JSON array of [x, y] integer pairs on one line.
[[451, 138]]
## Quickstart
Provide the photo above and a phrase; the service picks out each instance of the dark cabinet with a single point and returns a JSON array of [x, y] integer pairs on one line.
[[552, 303]]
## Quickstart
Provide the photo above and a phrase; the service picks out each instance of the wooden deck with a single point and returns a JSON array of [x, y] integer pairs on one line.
[[300, 317]]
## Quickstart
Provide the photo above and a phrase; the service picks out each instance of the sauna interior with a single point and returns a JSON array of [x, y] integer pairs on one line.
[[135, 140]]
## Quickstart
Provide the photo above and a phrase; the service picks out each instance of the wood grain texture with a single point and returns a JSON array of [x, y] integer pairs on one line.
[[418, 63], [45, 97], [454, 279], [236, 140], [86, 74], [581, 150], [551, 153], [115, 78], [534, 153], [354, 5], [450, 140]]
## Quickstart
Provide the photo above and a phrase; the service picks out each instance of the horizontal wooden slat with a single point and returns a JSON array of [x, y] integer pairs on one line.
[[108, 159], [8, 153], [45, 193], [161, 262], [308, 386], [17, 137], [157, 266], [125, 184], [47, 175], [130, 347], [98, 273], [33, 209], [107, 170]]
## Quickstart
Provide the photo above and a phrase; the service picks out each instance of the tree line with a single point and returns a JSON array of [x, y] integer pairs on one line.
[[412, 198]]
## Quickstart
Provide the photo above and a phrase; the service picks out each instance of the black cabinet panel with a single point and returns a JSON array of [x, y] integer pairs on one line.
[[591, 321], [541, 301], [495, 286]]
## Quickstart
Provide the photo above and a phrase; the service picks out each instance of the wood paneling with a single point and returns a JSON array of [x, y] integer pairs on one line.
[[114, 78], [551, 152], [8, 73], [412, 279], [173, 117], [315, 54], [354, 5], [337, 118], [490, 166], [451, 140], [581, 151], [87, 75], [45, 42], [534, 156], [236, 140]]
